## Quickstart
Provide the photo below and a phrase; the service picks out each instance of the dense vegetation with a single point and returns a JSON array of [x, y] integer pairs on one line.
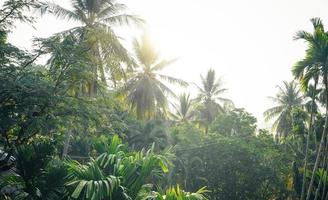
[[99, 121]]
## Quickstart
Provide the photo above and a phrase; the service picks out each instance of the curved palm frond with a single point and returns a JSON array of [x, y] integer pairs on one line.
[[61, 12], [123, 19], [173, 80], [162, 64]]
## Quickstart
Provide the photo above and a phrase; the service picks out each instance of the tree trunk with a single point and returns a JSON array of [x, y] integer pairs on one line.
[[324, 133], [320, 180], [325, 182], [324, 167], [307, 140]]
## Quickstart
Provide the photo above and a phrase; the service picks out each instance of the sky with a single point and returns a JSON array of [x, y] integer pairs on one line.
[[248, 43]]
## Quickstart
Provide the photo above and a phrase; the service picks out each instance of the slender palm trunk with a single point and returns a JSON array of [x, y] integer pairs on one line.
[[307, 140], [321, 177], [325, 167], [322, 141], [325, 179]]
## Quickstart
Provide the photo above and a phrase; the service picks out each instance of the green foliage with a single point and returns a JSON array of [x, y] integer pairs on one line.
[[13, 10], [37, 175], [65, 108], [186, 135], [175, 193], [230, 167], [103, 49], [236, 122], [299, 118], [152, 132], [116, 173], [90, 182]]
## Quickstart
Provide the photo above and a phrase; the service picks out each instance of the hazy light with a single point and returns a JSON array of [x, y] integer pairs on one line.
[[249, 43]]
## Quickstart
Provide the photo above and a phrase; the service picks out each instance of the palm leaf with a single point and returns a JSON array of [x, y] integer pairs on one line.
[[173, 80]]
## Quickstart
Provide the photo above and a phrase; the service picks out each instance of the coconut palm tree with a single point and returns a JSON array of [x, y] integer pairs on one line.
[[146, 91], [184, 109], [97, 20], [287, 98], [209, 96], [99, 46], [317, 54]]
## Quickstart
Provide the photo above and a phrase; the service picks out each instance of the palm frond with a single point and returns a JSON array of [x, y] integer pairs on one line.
[[124, 19], [61, 12], [173, 80], [162, 64]]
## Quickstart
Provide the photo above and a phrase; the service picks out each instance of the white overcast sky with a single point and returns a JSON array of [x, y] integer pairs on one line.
[[248, 42]]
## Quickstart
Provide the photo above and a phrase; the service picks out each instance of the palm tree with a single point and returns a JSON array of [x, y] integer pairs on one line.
[[184, 109], [147, 94], [98, 19], [317, 54], [287, 98], [100, 46], [210, 92], [307, 70]]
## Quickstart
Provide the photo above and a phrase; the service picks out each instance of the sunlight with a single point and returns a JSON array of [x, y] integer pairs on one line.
[[163, 99]]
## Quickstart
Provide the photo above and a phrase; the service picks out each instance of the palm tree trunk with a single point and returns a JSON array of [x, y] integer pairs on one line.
[[318, 188], [322, 141], [307, 140], [325, 167], [326, 198], [320, 180], [325, 181]]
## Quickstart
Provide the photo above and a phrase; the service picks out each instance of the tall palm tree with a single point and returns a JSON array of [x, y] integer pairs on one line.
[[184, 109], [287, 98], [147, 93], [317, 54], [209, 96], [306, 70], [96, 36], [97, 19]]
